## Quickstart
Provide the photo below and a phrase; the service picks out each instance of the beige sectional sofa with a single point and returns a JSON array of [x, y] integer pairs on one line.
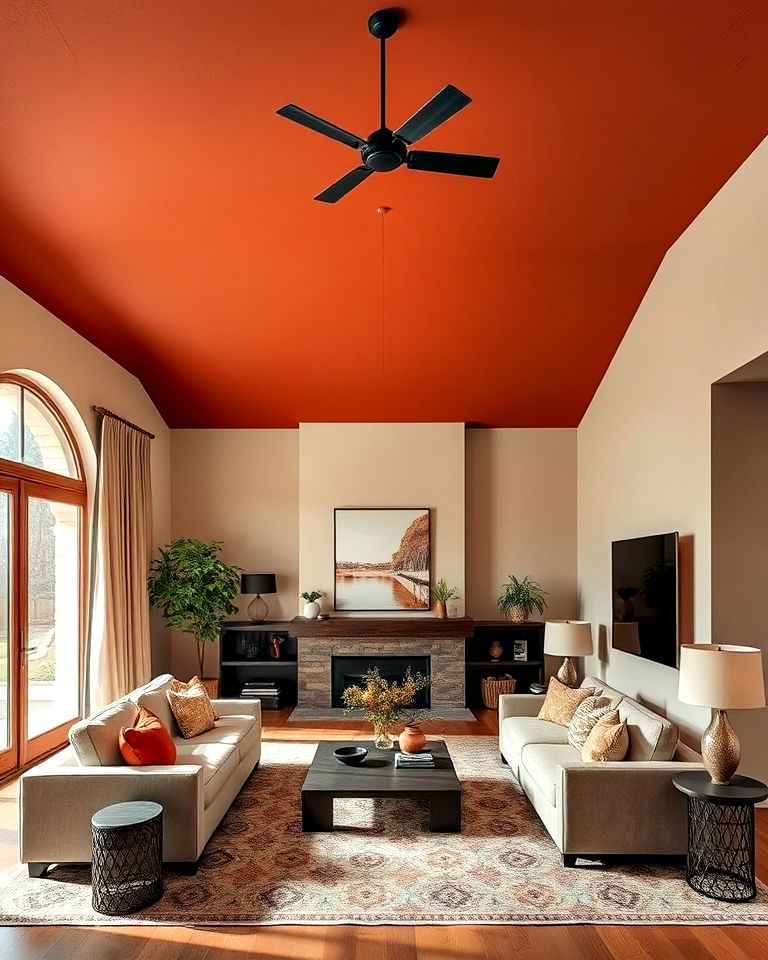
[[59, 796], [600, 809]]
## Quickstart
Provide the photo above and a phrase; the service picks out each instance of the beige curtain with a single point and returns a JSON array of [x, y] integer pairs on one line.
[[124, 536]]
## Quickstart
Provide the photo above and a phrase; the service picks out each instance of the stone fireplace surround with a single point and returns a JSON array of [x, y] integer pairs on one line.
[[440, 640]]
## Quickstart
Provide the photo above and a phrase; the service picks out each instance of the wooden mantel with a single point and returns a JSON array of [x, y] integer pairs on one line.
[[458, 627]]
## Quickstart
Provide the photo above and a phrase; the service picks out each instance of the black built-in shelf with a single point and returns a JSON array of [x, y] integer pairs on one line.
[[244, 655], [479, 665]]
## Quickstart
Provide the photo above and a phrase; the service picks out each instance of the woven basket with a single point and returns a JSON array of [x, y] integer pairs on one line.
[[211, 685], [493, 687]]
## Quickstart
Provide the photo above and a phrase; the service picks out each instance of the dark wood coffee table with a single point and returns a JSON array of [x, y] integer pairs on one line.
[[377, 777]]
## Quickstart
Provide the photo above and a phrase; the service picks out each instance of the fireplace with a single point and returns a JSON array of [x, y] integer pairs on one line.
[[349, 670]]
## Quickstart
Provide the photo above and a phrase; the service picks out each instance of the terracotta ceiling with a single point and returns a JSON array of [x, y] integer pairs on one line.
[[151, 198]]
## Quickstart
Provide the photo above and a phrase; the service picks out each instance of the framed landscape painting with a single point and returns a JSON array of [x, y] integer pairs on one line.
[[382, 558]]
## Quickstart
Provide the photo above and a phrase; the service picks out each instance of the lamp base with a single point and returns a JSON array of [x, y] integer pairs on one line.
[[567, 673], [720, 748], [258, 610]]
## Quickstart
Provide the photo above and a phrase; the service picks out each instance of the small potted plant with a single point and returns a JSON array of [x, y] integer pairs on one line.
[[442, 593], [520, 598], [311, 606], [194, 588]]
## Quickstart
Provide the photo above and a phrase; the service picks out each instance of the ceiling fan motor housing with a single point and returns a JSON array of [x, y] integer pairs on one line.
[[384, 151]]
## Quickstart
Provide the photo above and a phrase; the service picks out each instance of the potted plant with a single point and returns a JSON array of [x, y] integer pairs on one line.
[[442, 593], [383, 701], [311, 606], [194, 588], [520, 598], [413, 738]]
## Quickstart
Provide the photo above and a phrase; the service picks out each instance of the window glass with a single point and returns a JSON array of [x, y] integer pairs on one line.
[[10, 434], [46, 445]]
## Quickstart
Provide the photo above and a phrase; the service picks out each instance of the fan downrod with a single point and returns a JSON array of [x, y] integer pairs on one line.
[[383, 23]]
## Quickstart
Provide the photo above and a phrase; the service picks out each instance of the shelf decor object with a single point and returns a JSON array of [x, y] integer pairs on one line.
[[568, 638], [258, 583], [723, 677]]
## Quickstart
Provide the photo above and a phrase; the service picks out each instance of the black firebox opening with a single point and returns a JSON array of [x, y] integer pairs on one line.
[[347, 671]]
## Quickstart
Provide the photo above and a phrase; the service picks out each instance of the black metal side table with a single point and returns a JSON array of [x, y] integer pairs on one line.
[[721, 835], [127, 857]]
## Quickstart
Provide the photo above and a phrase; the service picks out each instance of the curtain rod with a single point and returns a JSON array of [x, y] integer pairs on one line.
[[108, 413]]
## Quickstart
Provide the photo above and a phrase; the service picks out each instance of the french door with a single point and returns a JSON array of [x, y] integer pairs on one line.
[[41, 617]]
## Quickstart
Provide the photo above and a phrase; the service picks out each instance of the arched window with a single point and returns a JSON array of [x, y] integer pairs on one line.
[[42, 574]]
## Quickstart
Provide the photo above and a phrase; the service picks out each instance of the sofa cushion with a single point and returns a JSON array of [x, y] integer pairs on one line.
[[520, 731], [95, 739], [218, 760], [238, 731], [651, 737], [153, 696], [147, 743], [608, 740], [541, 761], [586, 716], [561, 702], [603, 690], [192, 709]]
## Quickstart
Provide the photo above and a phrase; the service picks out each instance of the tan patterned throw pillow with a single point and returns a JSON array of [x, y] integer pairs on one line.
[[178, 686], [561, 702], [586, 716], [608, 740], [192, 710]]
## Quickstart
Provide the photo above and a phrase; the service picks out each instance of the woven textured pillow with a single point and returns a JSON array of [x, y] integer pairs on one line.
[[608, 740], [561, 702], [147, 742], [178, 686], [586, 716], [192, 710]]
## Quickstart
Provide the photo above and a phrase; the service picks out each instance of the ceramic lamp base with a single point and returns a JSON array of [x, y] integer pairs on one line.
[[720, 748], [567, 673], [258, 610]]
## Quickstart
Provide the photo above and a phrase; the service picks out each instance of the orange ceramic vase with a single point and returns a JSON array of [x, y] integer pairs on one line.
[[412, 739]]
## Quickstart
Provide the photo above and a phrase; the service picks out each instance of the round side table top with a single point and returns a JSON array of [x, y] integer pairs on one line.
[[131, 814], [698, 783]]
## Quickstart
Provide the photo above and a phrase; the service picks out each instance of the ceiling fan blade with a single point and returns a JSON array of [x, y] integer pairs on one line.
[[342, 187], [439, 109], [463, 164], [291, 112]]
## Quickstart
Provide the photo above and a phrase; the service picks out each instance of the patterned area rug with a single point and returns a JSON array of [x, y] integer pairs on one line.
[[381, 866]]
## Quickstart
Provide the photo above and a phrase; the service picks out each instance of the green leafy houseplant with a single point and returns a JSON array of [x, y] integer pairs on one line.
[[521, 597], [194, 588], [442, 592], [311, 595]]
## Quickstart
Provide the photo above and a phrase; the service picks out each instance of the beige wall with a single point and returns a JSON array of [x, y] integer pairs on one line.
[[740, 540], [644, 443], [32, 339], [384, 465], [240, 487], [521, 516]]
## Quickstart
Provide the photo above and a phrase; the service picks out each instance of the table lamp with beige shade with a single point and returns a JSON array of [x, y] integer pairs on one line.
[[568, 638], [723, 677]]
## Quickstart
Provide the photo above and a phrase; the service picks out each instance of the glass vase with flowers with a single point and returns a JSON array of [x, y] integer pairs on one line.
[[383, 702]]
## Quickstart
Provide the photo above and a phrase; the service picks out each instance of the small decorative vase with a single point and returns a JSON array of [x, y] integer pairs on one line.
[[312, 610], [518, 615], [412, 739], [382, 738], [274, 648], [440, 610], [495, 650]]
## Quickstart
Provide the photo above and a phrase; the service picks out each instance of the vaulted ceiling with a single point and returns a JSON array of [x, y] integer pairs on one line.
[[151, 198]]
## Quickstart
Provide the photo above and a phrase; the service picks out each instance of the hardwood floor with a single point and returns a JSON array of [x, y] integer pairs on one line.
[[374, 943]]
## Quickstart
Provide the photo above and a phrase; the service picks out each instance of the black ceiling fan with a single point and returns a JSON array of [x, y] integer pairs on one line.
[[385, 149]]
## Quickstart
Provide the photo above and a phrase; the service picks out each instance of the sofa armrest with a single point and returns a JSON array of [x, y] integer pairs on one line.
[[623, 808], [519, 705], [233, 707], [56, 805]]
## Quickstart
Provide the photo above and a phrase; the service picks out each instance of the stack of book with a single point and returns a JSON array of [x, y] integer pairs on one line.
[[414, 761], [268, 691]]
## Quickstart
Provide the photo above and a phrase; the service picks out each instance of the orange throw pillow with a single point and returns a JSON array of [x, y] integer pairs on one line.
[[147, 742]]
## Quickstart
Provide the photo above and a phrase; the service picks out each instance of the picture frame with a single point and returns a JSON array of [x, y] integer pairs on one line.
[[382, 559], [520, 650]]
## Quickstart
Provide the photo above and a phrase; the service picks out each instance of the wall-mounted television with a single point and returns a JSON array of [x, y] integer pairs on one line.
[[645, 597]]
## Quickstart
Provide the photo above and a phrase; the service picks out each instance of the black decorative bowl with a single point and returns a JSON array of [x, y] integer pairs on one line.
[[350, 755]]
